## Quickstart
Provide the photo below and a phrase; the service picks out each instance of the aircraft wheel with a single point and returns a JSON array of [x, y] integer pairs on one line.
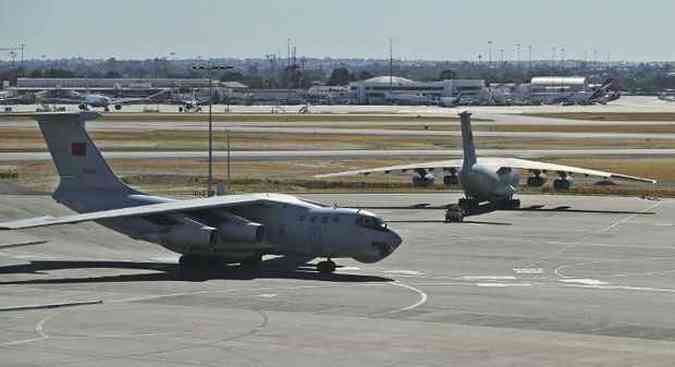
[[326, 267], [454, 216]]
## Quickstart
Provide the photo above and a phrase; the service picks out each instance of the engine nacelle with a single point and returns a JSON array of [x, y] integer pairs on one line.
[[536, 181], [118, 107], [423, 181], [249, 232], [185, 237]]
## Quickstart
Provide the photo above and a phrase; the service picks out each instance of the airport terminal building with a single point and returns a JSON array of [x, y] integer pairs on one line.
[[392, 89]]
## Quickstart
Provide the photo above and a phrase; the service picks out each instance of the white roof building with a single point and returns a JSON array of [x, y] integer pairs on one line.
[[388, 89]]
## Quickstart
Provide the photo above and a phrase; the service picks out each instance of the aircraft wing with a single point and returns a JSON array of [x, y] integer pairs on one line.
[[180, 206], [428, 166], [455, 164], [550, 167]]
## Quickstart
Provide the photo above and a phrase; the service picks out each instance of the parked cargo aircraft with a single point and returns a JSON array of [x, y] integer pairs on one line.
[[493, 180], [237, 228]]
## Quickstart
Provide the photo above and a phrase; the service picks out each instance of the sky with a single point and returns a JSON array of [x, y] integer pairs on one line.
[[421, 29]]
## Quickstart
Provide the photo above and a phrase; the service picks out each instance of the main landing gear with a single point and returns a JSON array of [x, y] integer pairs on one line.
[[454, 214], [326, 267], [468, 206]]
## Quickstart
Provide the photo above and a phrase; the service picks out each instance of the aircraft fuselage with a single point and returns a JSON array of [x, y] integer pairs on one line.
[[288, 227], [484, 183]]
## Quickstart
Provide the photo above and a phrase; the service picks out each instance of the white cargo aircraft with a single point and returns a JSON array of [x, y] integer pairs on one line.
[[235, 229], [494, 180]]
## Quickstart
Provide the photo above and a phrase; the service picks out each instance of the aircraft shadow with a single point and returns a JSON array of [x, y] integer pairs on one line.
[[444, 222], [568, 209], [174, 272], [487, 208]]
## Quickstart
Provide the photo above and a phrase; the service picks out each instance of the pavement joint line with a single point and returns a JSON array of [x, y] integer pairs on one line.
[[626, 219], [49, 306]]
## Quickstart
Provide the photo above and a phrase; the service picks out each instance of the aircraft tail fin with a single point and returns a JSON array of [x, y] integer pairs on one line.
[[467, 140], [80, 165]]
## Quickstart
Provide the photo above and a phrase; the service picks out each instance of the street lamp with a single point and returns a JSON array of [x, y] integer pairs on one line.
[[210, 69]]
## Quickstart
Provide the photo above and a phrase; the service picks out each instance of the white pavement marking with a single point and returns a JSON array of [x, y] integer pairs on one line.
[[623, 288], [423, 297], [503, 285], [404, 272], [39, 329], [630, 217], [583, 281], [267, 295], [580, 241], [528, 270], [488, 277]]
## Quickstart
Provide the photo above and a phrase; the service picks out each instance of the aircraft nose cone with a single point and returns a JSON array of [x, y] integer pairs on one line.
[[395, 240]]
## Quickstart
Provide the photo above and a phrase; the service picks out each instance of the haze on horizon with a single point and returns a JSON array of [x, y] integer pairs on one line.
[[424, 29]]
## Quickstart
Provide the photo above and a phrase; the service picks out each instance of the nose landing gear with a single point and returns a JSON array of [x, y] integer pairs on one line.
[[454, 214]]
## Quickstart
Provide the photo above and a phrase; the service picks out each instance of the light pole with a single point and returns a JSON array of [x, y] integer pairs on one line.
[[489, 54], [210, 69]]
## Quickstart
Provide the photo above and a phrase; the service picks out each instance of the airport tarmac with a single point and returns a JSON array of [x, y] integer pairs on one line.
[[624, 104], [284, 155], [220, 127], [509, 288]]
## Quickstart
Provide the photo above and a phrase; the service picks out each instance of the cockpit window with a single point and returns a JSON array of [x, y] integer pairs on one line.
[[371, 223]]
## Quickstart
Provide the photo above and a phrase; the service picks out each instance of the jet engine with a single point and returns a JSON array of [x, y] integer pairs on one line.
[[186, 237], [118, 107], [423, 178], [423, 181], [241, 232], [234, 230]]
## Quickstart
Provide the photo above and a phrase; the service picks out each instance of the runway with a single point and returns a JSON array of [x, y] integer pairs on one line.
[[518, 288], [284, 155], [625, 104], [352, 129]]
